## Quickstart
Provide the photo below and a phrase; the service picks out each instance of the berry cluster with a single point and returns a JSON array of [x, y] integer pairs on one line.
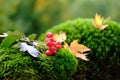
[[52, 44]]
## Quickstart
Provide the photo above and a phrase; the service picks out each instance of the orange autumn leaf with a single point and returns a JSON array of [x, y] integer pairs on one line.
[[82, 56], [61, 37], [98, 22], [77, 49]]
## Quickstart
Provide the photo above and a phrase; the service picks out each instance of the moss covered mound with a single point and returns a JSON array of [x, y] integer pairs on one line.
[[104, 57], [16, 65]]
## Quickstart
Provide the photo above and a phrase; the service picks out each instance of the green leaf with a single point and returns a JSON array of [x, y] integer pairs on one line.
[[11, 38], [32, 36]]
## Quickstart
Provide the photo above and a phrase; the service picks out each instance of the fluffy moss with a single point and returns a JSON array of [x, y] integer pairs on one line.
[[104, 57], [16, 65]]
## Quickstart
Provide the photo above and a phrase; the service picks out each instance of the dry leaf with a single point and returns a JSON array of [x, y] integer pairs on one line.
[[65, 45], [77, 49], [98, 22], [82, 56], [61, 37]]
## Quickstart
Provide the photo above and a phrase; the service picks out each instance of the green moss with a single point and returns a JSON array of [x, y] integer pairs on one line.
[[59, 67], [105, 53], [16, 65]]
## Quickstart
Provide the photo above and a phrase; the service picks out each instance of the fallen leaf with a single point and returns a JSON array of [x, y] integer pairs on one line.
[[98, 22], [82, 56], [65, 45], [77, 49], [61, 37]]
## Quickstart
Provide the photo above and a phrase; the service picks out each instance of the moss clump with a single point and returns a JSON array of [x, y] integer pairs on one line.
[[16, 65], [105, 53]]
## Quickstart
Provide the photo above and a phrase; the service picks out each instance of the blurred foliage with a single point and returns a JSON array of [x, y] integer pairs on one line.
[[36, 16], [7, 8], [104, 56]]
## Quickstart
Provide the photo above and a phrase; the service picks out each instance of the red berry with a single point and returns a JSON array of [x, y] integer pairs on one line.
[[49, 34], [58, 46], [50, 49], [58, 43], [49, 43], [48, 53], [53, 52], [52, 45], [51, 39]]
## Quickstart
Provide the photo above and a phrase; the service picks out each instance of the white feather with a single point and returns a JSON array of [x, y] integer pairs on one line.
[[31, 49]]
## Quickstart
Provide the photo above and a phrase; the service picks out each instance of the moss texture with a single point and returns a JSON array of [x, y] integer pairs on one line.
[[16, 65], [104, 57]]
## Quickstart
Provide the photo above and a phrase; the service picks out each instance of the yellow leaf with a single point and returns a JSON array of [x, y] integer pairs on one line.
[[65, 45], [77, 49], [61, 37], [82, 56], [98, 22]]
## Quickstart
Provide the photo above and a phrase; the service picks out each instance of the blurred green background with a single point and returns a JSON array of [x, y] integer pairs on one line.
[[36, 16]]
